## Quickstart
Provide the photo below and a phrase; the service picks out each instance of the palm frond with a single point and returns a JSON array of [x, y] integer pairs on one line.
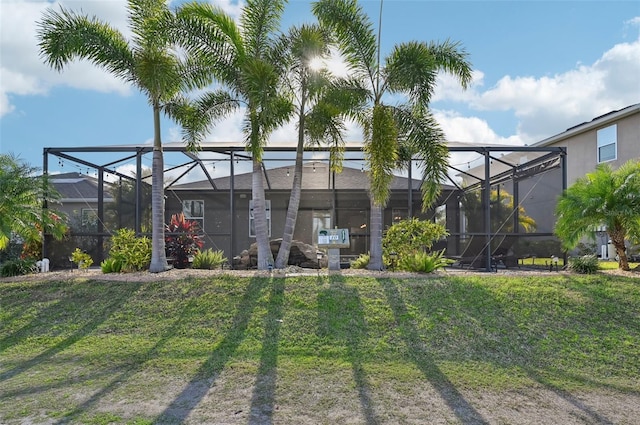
[[65, 36], [355, 36], [413, 67], [260, 20]]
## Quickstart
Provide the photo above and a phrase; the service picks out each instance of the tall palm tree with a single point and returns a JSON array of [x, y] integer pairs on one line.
[[22, 194], [321, 103], [249, 63], [149, 62], [393, 131], [603, 197]]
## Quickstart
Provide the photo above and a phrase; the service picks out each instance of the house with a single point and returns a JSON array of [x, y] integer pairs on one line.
[[213, 187], [612, 138], [80, 197], [222, 206]]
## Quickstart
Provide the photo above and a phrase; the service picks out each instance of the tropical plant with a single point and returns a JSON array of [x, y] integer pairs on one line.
[[81, 258], [133, 253], [17, 267], [502, 210], [321, 104], [394, 134], [182, 240], [586, 264], [151, 62], [423, 262], [209, 259], [250, 63], [22, 196], [602, 198], [111, 265], [410, 236], [361, 262]]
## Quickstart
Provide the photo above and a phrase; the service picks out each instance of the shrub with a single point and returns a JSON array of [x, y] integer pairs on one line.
[[185, 243], [587, 264], [81, 258], [421, 262], [17, 267], [111, 265], [133, 253], [209, 259], [361, 262], [407, 237]]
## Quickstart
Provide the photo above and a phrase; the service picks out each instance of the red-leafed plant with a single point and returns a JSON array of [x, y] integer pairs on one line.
[[182, 240]]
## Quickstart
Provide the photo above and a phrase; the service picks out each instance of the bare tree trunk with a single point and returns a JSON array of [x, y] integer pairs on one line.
[[158, 254], [265, 258], [294, 198], [375, 238]]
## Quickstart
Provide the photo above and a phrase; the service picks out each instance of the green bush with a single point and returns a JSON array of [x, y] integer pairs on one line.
[[361, 262], [111, 265], [81, 258], [422, 262], [17, 267], [407, 237], [587, 264], [133, 253], [208, 259]]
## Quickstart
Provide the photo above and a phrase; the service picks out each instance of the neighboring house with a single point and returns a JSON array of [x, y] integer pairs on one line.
[[612, 138], [79, 199]]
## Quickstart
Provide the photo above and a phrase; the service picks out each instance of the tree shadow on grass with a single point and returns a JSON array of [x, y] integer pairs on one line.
[[341, 317], [508, 331], [108, 301], [463, 410], [184, 403], [263, 397]]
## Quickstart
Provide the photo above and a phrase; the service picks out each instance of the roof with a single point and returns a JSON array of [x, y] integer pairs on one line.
[[77, 187], [597, 122], [316, 176]]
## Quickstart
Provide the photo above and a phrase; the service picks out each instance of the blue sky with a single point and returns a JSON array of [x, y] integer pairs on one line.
[[539, 68]]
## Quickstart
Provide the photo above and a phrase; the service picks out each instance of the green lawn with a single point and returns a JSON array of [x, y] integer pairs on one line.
[[320, 349]]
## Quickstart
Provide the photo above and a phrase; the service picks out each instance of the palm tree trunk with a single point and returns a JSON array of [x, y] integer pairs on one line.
[[265, 257], [158, 254], [375, 237], [294, 198], [617, 238]]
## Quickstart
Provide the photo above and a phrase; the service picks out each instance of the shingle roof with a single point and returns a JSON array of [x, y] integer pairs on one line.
[[77, 186], [316, 176]]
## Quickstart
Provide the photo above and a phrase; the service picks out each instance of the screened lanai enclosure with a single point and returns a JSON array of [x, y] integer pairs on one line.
[[497, 202]]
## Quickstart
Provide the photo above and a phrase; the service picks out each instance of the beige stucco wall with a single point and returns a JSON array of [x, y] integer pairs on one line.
[[582, 148]]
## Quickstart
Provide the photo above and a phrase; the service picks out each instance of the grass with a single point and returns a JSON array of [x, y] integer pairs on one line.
[[95, 352]]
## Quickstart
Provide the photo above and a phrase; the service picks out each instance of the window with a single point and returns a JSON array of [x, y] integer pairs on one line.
[[194, 211], [399, 214], [607, 143], [252, 226], [88, 220]]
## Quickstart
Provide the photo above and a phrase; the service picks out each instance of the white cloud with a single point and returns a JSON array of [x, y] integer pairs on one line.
[[548, 105], [458, 128], [23, 71]]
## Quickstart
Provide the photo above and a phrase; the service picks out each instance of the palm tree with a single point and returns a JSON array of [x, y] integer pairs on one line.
[[249, 63], [321, 103], [603, 197], [391, 132], [22, 194], [149, 62]]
